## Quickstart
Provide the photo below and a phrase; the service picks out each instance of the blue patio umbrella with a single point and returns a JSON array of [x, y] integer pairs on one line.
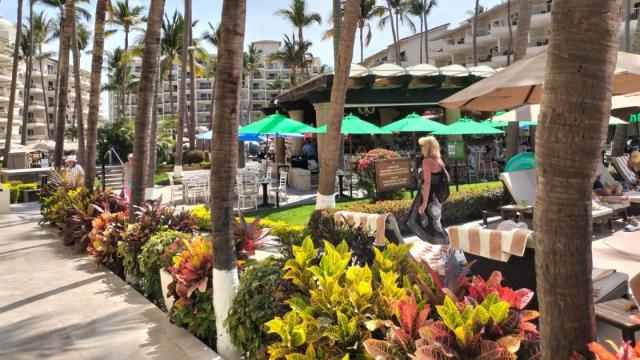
[[241, 137]]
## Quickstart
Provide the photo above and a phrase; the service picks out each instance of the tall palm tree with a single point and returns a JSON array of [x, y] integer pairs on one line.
[[251, 64], [171, 47], [278, 84], [522, 32], [212, 36], [152, 157], [336, 18], [115, 75], [290, 54], [428, 6], [27, 52], [474, 26], [396, 13], [42, 27], [94, 92], [145, 99], [193, 114], [225, 131], [574, 102], [79, 12], [421, 8], [61, 101], [298, 16], [79, 41], [183, 117], [130, 19], [331, 142], [12, 90]]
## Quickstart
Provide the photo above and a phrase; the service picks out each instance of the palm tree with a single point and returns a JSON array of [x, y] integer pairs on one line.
[[182, 93], [192, 115], [152, 157], [225, 131], [12, 91], [61, 101], [278, 84], [476, 13], [79, 40], [94, 92], [290, 54], [171, 47], [145, 96], [510, 45], [130, 19], [27, 51], [251, 66], [396, 12], [297, 15], [115, 68], [212, 36], [522, 32], [42, 27], [331, 142], [336, 18], [573, 103], [421, 8]]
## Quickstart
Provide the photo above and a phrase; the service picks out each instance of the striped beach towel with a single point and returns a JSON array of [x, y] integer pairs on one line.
[[493, 244], [621, 164], [374, 223]]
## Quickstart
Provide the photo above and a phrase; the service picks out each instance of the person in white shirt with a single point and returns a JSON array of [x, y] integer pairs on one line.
[[127, 171], [73, 173]]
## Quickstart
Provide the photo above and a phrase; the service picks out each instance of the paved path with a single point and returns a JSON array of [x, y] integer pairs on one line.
[[56, 304]]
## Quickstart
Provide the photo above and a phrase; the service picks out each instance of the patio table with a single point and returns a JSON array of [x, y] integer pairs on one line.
[[265, 196]]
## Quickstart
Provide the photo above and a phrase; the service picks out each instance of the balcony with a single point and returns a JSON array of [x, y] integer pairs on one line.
[[457, 45], [541, 16]]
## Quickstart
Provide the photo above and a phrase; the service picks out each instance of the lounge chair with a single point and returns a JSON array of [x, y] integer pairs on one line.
[[605, 177], [521, 185], [620, 163], [520, 272]]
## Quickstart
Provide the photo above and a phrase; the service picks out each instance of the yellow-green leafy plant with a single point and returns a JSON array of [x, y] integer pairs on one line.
[[202, 216]]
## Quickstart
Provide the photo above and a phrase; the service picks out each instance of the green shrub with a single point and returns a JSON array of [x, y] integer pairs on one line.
[[205, 165], [16, 188], [253, 306], [193, 157]]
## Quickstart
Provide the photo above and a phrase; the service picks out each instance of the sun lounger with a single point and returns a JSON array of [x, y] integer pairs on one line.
[[522, 187], [520, 272], [605, 177], [620, 163]]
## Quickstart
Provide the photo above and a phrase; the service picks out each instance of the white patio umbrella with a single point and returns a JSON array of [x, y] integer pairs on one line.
[[532, 113]]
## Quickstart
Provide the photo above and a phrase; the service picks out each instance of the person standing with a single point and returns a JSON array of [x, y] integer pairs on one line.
[[73, 172], [127, 171], [425, 217]]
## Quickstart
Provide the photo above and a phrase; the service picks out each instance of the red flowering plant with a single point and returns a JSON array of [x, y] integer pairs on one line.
[[365, 168], [249, 237], [190, 270], [624, 352], [107, 230]]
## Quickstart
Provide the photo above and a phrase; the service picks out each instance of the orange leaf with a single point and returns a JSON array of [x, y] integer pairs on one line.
[[600, 351]]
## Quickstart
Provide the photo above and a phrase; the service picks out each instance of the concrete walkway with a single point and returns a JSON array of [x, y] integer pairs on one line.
[[56, 304]]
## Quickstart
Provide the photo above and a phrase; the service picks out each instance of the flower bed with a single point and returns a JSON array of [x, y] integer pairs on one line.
[[16, 188]]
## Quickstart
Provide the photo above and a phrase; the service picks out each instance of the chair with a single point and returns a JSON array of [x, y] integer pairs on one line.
[[621, 164], [247, 193], [605, 177], [175, 190], [281, 188]]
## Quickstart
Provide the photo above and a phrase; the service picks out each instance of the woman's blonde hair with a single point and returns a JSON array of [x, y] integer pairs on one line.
[[430, 146]]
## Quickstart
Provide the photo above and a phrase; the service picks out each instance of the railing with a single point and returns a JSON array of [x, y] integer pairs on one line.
[[541, 9], [634, 15], [108, 155]]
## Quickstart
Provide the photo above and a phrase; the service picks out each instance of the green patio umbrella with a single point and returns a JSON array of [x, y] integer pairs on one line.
[[353, 125], [501, 124], [466, 126], [414, 123], [276, 124]]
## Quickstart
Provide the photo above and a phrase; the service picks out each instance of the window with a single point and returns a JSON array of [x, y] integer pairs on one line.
[[403, 56], [51, 71], [138, 68], [205, 85], [273, 66], [30, 132]]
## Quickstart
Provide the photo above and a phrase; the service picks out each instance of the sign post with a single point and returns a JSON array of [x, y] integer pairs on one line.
[[455, 151], [393, 174]]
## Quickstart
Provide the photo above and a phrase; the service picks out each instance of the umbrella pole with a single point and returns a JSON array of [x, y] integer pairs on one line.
[[350, 144], [415, 145]]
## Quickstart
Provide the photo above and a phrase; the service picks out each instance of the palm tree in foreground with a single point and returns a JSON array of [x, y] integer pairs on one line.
[[576, 101], [94, 92], [225, 131], [145, 100], [299, 17], [331, 142], [61, 101], [12, 91]]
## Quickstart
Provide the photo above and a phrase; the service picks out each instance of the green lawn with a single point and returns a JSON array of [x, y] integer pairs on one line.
[[161, 178], [299, 214]]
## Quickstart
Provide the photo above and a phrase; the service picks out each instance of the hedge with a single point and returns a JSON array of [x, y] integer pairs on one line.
[[16, 188]]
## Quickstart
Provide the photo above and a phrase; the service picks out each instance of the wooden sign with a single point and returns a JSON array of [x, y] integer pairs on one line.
[[393, 174]]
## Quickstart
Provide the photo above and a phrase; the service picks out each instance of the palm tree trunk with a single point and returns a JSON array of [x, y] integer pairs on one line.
[[522, 33], [422, 34], [337, 21], [475, 33], [44, 92], [57, 83], [152, 157], [28, 80], [78, 88], [213, 98], [191, 125], [331, 142], [225, 131], [182, 95], [426, 30], [12, 91], [171, 89], [125, 71], [510, 46], [145, 100], [573, 102], [361, 28], [393, 32], [61, 105], [94, 92]]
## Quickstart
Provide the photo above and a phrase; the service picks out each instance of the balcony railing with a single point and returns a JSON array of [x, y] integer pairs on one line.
[[541, 9]]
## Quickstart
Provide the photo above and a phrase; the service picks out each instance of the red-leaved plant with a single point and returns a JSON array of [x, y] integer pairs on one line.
[[623, 352], [249, 237]]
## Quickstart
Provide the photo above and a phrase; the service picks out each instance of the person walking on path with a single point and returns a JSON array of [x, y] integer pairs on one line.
[[127, 171], [73, 172], [425, 217]]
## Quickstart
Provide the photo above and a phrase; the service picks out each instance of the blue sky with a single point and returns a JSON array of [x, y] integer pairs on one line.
[[262, 24]]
